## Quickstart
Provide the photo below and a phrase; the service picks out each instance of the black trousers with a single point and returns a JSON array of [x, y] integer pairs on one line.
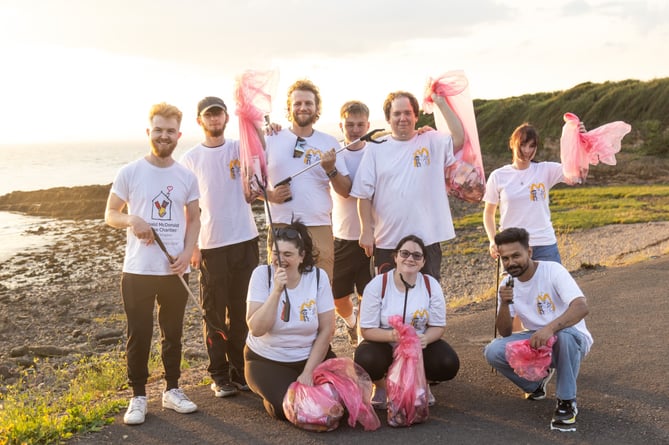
[[140, 293], [224, 281], [440, 360]]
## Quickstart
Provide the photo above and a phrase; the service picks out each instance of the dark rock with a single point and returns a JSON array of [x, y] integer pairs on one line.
[[18, 351], [108, 333]]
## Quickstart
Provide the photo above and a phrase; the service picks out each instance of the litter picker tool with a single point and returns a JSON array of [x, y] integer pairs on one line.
[[170, 258], [371, 137], [285, 311]]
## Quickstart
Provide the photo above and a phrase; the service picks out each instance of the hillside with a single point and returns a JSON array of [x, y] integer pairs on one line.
[[644, 105]]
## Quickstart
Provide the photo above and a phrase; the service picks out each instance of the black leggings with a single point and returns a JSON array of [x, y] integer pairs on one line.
[[270, 379], [439, 359]]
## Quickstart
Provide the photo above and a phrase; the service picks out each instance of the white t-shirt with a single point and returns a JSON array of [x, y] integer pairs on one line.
[[406, 183], [311, 201], [158, 196], [422, 309], [345, 220], [226, 217], [545, 297], [290, 341], [522, 196]]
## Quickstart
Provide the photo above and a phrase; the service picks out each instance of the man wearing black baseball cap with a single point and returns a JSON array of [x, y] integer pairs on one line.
[[227, 250], [210, 102]]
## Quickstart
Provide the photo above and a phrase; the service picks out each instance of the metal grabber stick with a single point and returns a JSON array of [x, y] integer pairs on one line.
[[170, 258], [371, 137], [285, 312]]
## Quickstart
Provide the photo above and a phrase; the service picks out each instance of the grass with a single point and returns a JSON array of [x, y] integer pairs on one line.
[[574, 208], [75, 398], [85, 395]]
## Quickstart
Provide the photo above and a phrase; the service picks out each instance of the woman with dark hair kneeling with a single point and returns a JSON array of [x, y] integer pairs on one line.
[[291, 319], [418, 298]]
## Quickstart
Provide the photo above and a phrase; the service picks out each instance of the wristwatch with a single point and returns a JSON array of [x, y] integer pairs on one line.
[[332, 174]]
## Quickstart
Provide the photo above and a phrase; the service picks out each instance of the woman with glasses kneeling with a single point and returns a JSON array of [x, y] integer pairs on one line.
[[418, 298], [291, 319]]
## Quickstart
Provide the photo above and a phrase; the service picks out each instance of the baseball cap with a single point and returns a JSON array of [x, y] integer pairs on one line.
[[210, 102]]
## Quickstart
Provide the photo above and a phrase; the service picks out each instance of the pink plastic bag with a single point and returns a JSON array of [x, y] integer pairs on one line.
[[465, 179], [354, 388], [530, 363], [577, 149], [253, 97], [313, 408], [406, 384]]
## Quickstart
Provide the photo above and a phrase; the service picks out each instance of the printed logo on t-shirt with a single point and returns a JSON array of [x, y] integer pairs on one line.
[[537, 192], [421, 157], [308, 311], [419, 320], [545, 304], [312, 155], [234, 168], [162, 206]]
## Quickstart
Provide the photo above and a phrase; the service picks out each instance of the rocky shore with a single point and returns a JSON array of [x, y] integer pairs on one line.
[[62, 300]]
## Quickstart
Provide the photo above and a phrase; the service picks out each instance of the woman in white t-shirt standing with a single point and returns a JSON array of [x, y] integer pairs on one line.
[[291, 319], [521, 191]]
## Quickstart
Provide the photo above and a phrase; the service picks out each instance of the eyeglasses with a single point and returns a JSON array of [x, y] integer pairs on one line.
[[299, 148], [287, 233], [417, 256]]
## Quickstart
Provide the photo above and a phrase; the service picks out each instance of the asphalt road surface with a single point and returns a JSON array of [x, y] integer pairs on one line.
[[623, 394]]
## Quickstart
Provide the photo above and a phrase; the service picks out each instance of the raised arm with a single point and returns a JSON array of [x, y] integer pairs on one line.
[[453, 122]]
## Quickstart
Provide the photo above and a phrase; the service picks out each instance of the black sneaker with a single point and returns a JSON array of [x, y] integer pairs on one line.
[[223, 389], [240, 383], [540, 392], [565, 412]]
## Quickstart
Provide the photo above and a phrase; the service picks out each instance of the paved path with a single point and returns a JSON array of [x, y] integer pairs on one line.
[[623, 390]]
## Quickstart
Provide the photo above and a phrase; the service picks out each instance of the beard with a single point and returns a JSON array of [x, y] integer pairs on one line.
[[517, 271], [214, 132], [304, 120], [163, 151]]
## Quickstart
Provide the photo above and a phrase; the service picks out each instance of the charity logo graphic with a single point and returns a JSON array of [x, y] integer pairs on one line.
[[538, 192], [312, 155], [421, 158], [162, 206], [308, 310], [234, 168], [545, 304]]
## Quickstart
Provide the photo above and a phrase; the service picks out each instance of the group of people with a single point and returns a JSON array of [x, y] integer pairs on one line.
[[266, 326]]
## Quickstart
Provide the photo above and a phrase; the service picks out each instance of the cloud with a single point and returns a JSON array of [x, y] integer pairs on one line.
[[243, 33]]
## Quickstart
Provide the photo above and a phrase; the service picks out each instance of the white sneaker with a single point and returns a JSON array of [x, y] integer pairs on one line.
[[430, 397], [178, 401], [136, 411]]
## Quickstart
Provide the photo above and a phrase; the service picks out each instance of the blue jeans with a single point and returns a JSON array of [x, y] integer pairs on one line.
[[568, 352], [546, 253]]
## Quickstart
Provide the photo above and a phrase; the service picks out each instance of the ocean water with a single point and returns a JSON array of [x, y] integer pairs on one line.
[[43, 166]]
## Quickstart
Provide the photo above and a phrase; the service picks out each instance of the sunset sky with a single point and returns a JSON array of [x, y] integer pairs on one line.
[[86, 70]]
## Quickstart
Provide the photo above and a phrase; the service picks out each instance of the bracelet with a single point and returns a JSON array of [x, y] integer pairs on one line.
[[333, 173]]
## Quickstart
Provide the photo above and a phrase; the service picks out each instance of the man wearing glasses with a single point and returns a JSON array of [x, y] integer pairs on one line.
[[307, 196], [401, 184]]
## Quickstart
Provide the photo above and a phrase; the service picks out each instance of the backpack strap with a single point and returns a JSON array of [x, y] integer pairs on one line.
[[427, 285], [385, 283], [269, 276]]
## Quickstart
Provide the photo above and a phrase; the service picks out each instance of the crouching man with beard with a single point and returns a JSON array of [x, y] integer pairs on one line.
[[549, 303]]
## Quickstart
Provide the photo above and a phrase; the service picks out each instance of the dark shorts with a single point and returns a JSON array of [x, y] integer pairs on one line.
[[351, 268], [384, 261]]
